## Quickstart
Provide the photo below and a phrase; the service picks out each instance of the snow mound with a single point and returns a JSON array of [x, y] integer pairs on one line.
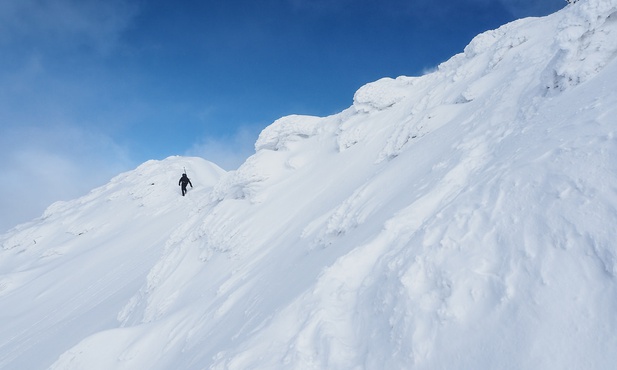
[[460, 219], [286, 130], [382, 94]]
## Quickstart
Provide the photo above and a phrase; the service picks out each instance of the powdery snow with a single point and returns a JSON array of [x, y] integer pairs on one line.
[[461, 219]]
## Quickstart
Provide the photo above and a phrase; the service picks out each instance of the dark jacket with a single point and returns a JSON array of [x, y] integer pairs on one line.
[[184, 180]]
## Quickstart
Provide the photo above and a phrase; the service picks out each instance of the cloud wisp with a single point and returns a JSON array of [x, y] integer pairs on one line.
[[42, 165], [50, 149], [228, 152]]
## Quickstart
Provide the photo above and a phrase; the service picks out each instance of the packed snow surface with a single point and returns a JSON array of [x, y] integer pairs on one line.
[[465, 219]]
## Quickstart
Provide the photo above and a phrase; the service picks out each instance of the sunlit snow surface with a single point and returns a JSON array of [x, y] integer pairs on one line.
[[465, 219]]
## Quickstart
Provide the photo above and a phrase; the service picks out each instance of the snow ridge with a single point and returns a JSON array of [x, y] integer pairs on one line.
[[460, 219]]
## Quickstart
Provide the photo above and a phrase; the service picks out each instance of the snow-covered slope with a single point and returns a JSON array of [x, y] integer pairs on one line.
[[67, 275], [462, 219]]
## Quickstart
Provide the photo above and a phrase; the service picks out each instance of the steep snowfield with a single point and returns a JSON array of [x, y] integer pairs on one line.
[[462, 219]]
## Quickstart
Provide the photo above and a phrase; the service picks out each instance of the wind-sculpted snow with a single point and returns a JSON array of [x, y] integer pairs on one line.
[[287, 130], [382, 94], [460, 219], [587, 41]]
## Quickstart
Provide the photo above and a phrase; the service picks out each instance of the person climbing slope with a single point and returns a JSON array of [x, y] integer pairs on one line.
[[184, 180]]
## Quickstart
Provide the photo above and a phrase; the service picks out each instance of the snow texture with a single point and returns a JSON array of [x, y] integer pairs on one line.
[[464, 219]]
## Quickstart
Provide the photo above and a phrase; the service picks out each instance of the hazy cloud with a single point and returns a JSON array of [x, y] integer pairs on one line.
[[95, 24], [51, 148], [228, 153], [41, 165]]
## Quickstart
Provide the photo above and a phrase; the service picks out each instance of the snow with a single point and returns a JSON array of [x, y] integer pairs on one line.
[[460, 219]]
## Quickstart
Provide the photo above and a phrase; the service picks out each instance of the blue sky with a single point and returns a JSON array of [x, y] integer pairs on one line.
[[91, 88]]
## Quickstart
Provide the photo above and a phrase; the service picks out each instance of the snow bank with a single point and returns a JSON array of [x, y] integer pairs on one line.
[[460, 219]]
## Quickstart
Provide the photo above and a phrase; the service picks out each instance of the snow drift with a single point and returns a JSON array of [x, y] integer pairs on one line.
[[461, 219]]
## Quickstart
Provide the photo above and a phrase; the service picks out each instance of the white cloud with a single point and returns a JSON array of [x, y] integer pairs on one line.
[[41, 165], [50, 145], [230, 152], [44, 164]]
